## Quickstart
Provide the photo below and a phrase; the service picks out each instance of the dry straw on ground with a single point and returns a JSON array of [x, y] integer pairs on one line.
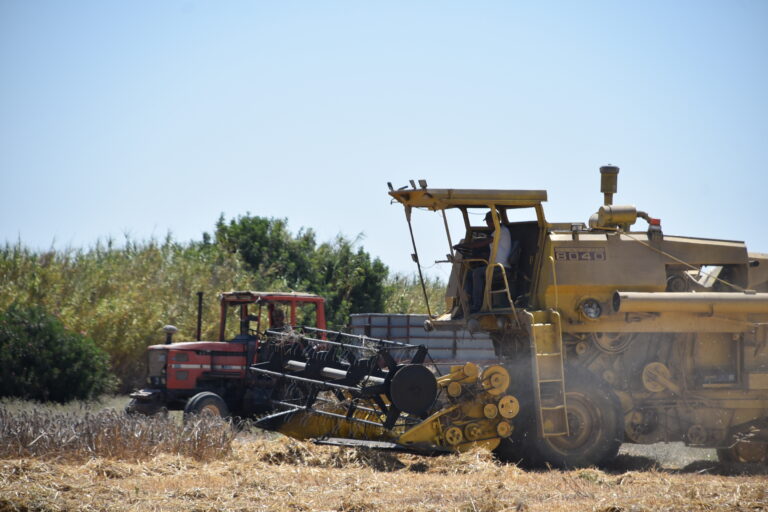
[[272, 473], [285, 475]]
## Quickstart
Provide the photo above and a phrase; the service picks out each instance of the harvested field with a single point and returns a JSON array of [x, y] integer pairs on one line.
[[272, 473]]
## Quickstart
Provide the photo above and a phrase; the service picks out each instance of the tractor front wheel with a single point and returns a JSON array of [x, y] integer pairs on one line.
[[206, 404]]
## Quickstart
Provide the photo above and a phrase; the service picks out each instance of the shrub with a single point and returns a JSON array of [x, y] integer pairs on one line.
[[42, 360]]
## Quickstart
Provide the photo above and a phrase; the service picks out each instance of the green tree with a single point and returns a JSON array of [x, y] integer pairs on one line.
[[41, 360], [268, 248], [349, 279]]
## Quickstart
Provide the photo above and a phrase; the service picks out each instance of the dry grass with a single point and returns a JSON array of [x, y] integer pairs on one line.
[[121, 463], [77, 407], [280, 474], [75, 436]]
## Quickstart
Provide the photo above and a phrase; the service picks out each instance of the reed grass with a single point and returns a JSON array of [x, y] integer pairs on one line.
[[121, 295]]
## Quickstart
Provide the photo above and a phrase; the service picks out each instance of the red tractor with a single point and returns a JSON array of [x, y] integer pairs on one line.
[[212, 376]]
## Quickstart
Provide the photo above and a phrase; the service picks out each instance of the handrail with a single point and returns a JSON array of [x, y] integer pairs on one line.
[[506, 288], [488, 288]]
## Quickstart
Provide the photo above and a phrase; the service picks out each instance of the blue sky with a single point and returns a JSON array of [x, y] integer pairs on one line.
[[147, 117]]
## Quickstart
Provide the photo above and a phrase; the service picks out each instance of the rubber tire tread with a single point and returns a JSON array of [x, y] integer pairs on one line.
[[526, 448], [540, 453], [196, 403]]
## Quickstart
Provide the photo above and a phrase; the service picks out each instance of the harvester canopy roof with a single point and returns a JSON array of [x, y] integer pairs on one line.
[[445, 198]]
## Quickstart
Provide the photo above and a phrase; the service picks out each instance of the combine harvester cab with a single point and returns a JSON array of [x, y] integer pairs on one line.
[[611, 334]]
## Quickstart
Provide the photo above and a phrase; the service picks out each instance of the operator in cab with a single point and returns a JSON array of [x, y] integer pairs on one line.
[[474, 282], [277, 320]]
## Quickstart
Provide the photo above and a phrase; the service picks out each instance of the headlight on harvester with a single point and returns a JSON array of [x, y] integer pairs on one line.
[[591, 309]]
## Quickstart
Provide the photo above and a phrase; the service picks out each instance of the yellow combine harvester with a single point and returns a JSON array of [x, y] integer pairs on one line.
[[611, 334]]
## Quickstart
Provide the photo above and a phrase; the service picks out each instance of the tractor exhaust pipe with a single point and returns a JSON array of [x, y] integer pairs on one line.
[[199, 315]]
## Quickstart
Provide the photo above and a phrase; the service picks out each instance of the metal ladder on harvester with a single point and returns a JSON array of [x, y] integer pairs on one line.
[[496, 290], [548, 373]]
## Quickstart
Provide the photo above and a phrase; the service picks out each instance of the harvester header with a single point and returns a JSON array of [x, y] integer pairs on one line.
[[352, 390]]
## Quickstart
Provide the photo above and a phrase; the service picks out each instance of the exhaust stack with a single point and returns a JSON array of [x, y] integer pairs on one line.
[[610, 216], [609, 177]]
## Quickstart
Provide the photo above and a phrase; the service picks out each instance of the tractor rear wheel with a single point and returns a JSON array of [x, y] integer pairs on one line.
[[206, 403]]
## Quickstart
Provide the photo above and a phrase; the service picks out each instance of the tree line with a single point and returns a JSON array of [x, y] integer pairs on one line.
[[107, 303]]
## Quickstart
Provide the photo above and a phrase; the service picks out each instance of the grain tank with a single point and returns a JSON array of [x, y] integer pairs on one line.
[[612, 330]]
